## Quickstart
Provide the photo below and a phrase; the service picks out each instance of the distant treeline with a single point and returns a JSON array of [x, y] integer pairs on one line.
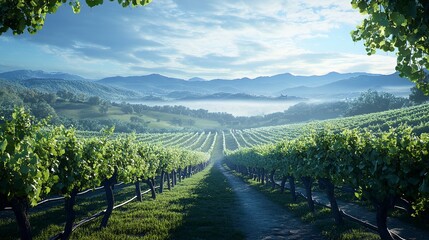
[[368, 102], [42, 104]]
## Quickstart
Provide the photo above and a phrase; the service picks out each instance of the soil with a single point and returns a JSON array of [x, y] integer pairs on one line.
[[260, 218]]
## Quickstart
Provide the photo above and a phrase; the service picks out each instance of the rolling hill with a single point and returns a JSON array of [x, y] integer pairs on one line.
[[79, 87], [54, 82], [29, 74], [332, 85]]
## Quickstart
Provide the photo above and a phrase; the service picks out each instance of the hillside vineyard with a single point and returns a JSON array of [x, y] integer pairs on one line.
[[383, 156]]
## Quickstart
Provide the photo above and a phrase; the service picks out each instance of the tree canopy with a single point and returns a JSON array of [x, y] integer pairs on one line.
[[417, 96], [373, 101], [18, 15], [400, 26]]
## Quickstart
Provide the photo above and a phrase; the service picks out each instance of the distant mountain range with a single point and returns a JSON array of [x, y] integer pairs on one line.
[[331, 85], [54, 82], [154, 86], [29, 74], [354, 86]]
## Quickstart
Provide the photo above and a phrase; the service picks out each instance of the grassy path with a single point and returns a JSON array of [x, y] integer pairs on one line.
[[213, 213]]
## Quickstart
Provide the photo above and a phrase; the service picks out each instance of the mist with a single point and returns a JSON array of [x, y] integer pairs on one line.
[[238, 108]]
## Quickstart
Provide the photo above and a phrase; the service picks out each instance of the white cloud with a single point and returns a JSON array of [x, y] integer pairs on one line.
[[5, 39], [231, 38], [274, 28], [342, 63], [81, 45]]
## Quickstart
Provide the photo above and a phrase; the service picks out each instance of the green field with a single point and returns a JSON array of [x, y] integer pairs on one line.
[[153, 119]]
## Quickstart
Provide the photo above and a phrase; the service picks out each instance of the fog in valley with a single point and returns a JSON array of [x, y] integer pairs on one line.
[[245, 108]]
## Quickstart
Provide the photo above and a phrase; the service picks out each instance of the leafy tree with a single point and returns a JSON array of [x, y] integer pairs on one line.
[[95, 100], [30, 97], [42, 110], [176, 121], [9, 99], [136, 119], [401, 26], [104, 108], [373, 101], [65, 95], [49, 97], [190, 122], [18, 15], [417, 96], [127, 108]]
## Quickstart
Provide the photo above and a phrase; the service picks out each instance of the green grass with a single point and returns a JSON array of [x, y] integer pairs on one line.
[[199, 122], [48, 219], [153, 118], [199, 207], [321, 218]]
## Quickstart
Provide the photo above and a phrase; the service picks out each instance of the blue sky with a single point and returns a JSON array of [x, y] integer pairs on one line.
[[195, 38]]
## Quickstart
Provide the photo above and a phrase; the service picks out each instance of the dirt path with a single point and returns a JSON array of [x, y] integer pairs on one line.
[[259, 218]]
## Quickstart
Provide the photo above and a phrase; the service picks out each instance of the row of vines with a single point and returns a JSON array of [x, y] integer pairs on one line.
[[39, 161], [416, 116], [383, 167]]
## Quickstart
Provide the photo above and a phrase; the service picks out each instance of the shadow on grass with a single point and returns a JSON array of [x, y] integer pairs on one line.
[[201, 207], [211, 212], [48, 219]]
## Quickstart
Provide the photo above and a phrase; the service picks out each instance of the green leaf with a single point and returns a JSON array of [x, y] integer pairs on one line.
[[75, 6], [358, 195], [93, 3], [3, 146], [398, 19], [393, 179], [362, 5], [24, 169], [414, 180], [424, 188]]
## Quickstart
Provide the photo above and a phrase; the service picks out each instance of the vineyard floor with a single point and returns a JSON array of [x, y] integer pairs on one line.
[[397, 226], [200, 207], [262, 219]]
